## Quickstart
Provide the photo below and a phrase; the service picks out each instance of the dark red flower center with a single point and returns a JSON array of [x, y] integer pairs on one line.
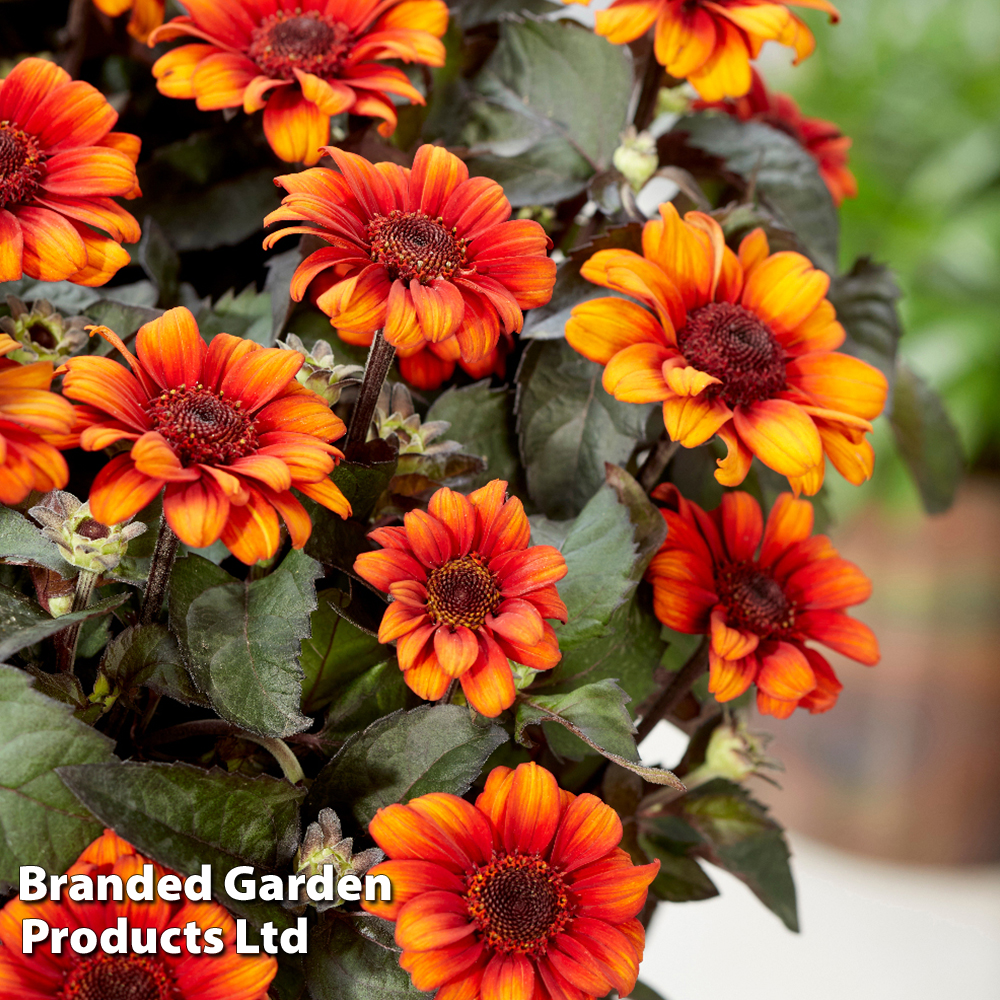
[[462, 592], [118, 977], [519, 903], [21, 165], [413, 245], [203, 426], [754, 600], [732, 344], [291, 40], [94, 530]]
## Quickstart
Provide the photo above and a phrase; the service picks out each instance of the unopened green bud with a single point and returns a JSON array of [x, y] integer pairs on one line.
[[636, 158], [319, 371], [733, 753], [672, 101], [45, 334], [395, 414], [325, 844], [82, 541]]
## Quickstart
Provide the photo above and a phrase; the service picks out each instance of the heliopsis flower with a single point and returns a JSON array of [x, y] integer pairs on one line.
[[710, 42], [147, 15], [821, 139], [760, 607], [739, 346], [153, 974], [468, 594], [60, 165], [524, 896], [426, 255], [300, 61], [224, 427], [32, 420]]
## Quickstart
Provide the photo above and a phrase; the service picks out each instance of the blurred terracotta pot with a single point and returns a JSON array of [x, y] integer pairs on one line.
[[907, 765]]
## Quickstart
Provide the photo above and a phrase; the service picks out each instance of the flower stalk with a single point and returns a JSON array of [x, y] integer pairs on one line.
[[380, 356], [67, 640], [676, 690], [159, 573]]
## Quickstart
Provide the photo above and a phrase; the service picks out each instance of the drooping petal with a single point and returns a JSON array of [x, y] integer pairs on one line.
[[785, 672]]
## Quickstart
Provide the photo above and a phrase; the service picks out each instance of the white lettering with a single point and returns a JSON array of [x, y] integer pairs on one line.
[[247, 891], [349, 888], [32, 931], [32, 885], [242, 947]]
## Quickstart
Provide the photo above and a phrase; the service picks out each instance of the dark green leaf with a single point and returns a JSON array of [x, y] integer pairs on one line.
[[41, 821], [246, 315], [360, 702], [434, 748], [243, 642], [191, 576], [363, 479], [356, 958], [865, 299], [644, 992], [741, 837], [549, 321], [483, 420], [22, 543], [280, 268], [335, 653], [476, 12], [569, 427], [550, 105], [184, 817], [148, 656], [23, 623], [159, 260], [68, 298], [123, 319], [784, 175], [927, 439], [680, 879]]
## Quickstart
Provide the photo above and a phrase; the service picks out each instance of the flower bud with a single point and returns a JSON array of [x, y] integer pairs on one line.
[[324, 844], [733, 753], [636, 158], [319, 372], [44, 334], [82, 541], [394, 414]]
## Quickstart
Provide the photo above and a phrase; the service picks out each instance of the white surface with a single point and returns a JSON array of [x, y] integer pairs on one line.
[[870, 930]]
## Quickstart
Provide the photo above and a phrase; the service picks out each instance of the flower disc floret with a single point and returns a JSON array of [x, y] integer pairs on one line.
[[223, 429], [740, 346], [428, 255], [112, 977], [760, 591], [527, 894], [60, 166], [469, 594], [309, 42]]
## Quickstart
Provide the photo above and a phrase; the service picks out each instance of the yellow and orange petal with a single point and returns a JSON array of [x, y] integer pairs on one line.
[[760, 591], [45, 974], [469, 593], [564, 923], [742, 346], [62, 167], [428, 255], [821, 139], [33, 422], [147, 15], [301, 65], [223, 430], [710, 42]]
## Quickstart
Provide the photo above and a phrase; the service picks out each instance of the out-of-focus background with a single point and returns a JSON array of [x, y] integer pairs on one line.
[[893, 798]]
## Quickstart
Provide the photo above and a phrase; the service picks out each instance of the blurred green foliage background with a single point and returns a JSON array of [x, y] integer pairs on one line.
[[916, 84]]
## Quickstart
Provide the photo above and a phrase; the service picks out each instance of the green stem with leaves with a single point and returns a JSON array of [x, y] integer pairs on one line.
[[377, 366], [676, 690]]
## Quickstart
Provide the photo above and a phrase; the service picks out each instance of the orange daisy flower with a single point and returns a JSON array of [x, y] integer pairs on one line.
[[760, 607], [468, 594], [224, 427], [524, 896], [32, 420], [155, 975], [60, 165], [302, 61], [739, 346], [711, 42], [426, 255], [821, 139], [147, 15]]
